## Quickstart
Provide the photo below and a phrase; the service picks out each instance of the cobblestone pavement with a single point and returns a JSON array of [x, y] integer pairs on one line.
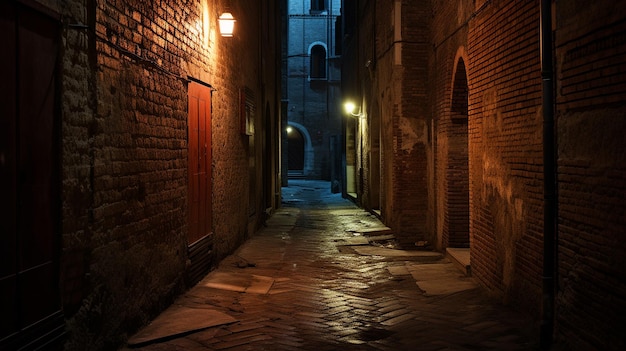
[[302, 284]]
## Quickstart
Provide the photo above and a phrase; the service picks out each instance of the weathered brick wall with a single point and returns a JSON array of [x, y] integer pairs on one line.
[[498, 43], [505, 150], [411, 138], [77, 110], [448, 185], [404, 112], [590, 42], [125, 152]]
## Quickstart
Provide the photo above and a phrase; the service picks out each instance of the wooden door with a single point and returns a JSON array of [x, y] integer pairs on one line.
[[8, 199], [29, 179], [199, 153]]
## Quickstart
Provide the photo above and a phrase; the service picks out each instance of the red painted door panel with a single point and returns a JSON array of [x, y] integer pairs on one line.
[[199, 162]]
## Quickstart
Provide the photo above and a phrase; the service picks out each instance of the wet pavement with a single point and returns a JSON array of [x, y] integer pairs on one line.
[[326, 275]]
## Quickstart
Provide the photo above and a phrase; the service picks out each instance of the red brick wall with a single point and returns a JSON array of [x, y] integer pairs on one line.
[[499, 43], [400, 91], [590, 42], [505, 147], [125, 151], [449, 178], [77, 109]]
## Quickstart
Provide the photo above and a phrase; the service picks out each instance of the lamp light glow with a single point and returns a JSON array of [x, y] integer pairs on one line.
[[227, 24], [349, 107]]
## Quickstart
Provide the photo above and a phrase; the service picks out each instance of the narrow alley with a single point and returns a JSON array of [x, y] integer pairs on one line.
[[323, 275]]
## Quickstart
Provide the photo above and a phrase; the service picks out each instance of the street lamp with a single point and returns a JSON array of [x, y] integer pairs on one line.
[[227, 24], [350, 107]]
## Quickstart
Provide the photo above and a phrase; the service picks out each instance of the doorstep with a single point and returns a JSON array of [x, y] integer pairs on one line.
[[461, 258]]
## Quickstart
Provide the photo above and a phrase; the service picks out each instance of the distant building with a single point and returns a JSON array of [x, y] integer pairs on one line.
[[311, 90]]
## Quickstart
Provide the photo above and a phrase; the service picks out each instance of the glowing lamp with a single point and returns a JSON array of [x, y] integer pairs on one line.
[[349, 107], [227, 24]]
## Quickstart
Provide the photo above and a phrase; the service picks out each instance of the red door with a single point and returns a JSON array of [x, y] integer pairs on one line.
[[199, 153]]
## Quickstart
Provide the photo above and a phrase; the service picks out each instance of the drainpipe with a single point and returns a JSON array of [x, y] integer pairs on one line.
[[549, 179]]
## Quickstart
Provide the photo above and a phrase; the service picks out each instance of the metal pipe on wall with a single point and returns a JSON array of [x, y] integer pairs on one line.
[[549, 178]]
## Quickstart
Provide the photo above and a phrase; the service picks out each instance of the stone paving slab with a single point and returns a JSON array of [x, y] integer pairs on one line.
[[177, 321], [354, 241], [444, 286], [387, 252], [376, 230], [439, 278], [241, 282]]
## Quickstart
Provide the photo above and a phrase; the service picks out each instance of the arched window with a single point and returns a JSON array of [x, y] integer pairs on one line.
[[318, 62]]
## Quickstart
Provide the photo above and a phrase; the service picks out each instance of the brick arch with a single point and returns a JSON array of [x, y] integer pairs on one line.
[[460, 91], [459, 81], [456, 219]]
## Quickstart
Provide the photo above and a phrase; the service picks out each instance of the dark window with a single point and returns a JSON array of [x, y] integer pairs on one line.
[[318, 5], [318, 62]]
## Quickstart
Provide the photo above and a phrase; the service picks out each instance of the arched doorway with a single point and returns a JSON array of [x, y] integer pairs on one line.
[[295, 151], [299, 151], [457, 170]]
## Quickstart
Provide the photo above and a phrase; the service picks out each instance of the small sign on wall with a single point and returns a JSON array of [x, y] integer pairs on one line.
[[247, 110]]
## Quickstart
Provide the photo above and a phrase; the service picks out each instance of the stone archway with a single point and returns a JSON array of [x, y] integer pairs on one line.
[[299, 147]]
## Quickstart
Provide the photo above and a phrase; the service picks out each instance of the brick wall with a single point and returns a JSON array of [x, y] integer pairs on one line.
[[411, 141], [77, 109], [124, 143], [448, 169], [400, 94], [498, 43], [505, 156], [590, 42]]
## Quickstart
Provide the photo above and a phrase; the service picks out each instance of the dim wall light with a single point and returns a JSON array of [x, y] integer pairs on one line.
[[227, 24]]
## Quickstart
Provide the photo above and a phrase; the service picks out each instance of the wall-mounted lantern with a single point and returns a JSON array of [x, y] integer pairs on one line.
[[350, 107], [227, 24]]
